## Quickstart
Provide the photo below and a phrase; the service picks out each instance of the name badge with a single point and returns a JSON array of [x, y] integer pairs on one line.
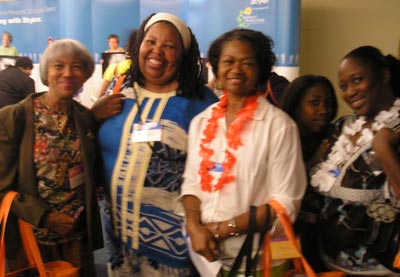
[[76, 176], [148, 131], [217, 168]]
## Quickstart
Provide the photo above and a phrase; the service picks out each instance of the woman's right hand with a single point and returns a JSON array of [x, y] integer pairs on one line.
[[203, 242], [61, 223], [386, 145]]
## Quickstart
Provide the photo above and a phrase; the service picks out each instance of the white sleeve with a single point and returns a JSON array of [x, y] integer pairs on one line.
[[287, 175]]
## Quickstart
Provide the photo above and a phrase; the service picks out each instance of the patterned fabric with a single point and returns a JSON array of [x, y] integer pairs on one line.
[[343, 223], [56, 152], [148, 267], [145, 177]]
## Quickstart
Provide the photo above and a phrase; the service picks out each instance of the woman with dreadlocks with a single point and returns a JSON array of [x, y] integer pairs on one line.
[[144, 148]]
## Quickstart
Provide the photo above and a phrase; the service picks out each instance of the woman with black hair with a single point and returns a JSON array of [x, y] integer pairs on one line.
[[243, 152], [359, 177], [311, 102], [144, 148]]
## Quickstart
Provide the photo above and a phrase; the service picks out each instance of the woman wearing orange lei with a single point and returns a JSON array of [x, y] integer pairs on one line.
[[243, 152]]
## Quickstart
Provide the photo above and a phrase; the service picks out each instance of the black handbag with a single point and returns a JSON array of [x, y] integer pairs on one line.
[[383, 239]]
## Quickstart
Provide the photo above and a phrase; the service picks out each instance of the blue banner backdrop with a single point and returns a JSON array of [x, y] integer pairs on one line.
[[91, 21]]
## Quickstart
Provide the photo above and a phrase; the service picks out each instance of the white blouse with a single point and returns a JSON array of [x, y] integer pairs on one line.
[[269, 165]]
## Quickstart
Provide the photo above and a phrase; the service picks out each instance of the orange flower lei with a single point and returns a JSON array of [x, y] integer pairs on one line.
[[233, 141]]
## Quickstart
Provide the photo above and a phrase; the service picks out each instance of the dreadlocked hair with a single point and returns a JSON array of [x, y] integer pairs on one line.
[[190, 77]]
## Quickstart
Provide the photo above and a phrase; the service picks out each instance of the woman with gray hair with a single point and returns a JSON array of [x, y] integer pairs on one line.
[[48, 155]]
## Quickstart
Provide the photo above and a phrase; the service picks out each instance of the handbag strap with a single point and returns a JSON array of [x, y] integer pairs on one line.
[[31, 247], [28, 238], [249, 247], [299, 263], [246, 248], [396, 262], [5, 207], [261, 240], [269, 93]]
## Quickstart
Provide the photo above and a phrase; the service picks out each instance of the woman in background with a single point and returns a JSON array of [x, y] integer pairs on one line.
[[311, 102], [115, 71]]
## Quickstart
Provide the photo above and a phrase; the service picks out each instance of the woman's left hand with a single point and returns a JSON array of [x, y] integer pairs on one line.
[[61, 223], [107, 106]]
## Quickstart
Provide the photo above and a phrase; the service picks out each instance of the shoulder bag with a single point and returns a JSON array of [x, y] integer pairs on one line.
[[301, 266], [36, 265]]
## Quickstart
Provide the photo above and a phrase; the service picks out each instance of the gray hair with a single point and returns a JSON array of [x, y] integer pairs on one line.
[[69, 48]]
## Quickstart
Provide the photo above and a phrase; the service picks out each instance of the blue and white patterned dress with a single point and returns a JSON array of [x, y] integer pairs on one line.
[[144, 178]]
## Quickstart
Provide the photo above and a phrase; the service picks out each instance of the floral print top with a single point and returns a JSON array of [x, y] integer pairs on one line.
[[59, 168]]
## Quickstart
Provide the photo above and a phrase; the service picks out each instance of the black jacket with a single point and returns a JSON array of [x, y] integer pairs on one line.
[[15, 85]]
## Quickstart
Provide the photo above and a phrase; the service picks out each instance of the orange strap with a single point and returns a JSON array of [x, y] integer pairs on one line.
[[396, 262], [4, 211], [299, 263], [269, 93], [28, 238], [118, 84]]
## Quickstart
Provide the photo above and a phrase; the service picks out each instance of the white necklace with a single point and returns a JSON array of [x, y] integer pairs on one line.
[[343, 149]]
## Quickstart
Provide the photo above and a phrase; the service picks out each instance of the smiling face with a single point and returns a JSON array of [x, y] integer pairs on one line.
[[362, 89], [316, 107], [238, 70], [160, 57], [65, 76]]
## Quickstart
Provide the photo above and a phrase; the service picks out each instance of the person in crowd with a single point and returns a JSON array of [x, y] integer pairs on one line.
[[50, 40], [48, 155], [113, 44], [311, 102], [114, 71], [15, 83], [243, 152], [359, 175], [144, 148], [6, 49]]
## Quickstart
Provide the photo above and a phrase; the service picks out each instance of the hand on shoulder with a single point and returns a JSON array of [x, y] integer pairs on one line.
[[107, 106]]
